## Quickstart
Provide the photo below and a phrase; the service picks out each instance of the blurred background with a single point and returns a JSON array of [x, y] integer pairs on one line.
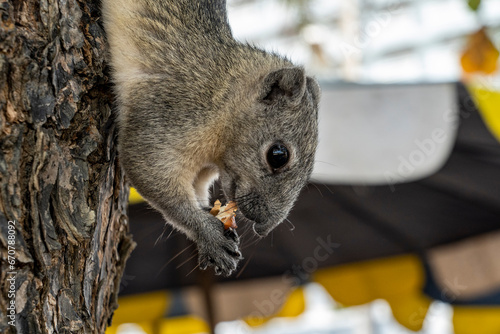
[[399, 231]]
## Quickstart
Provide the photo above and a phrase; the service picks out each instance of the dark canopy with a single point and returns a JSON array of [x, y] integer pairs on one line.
[[359, 222]]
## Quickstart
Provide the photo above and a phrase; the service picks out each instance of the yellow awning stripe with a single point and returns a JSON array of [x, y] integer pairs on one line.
[[488, 103], [399, 280]]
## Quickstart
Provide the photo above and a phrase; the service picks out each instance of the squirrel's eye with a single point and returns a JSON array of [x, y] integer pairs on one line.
[[277, 156]]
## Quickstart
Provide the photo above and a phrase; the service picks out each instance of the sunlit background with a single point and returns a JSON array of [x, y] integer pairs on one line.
[[382, 41], [389, 72]]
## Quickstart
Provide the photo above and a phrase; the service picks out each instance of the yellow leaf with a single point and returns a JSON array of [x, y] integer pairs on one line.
[[480, 55]]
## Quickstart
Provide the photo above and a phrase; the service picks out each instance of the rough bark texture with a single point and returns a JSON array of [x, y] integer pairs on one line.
[[61, 187]]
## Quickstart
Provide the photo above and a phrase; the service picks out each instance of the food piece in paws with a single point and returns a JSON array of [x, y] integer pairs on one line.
[[225, 213], [215, 210]]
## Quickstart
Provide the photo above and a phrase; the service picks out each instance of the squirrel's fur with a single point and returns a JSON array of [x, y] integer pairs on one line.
[[193, 103]]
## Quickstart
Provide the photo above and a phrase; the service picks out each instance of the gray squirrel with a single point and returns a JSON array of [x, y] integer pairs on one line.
[[194, 104]]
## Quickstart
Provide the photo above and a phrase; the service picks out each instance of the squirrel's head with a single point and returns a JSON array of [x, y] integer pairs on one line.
[[271, 155]]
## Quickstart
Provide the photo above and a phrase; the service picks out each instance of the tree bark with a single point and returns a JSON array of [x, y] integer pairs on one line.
[[64, 232]]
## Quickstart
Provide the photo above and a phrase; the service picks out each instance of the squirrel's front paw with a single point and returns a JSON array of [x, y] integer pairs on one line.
[[220, 250]]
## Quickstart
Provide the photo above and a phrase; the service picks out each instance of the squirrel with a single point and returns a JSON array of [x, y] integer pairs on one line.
[[194, 105]]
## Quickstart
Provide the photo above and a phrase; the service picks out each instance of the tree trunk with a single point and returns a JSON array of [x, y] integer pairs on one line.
[[64, 233]]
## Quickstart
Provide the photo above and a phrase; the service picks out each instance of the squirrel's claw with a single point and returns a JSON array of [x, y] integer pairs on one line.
[[220, 251]]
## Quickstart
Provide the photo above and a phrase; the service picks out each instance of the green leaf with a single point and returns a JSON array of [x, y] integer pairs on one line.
[[474, 4]]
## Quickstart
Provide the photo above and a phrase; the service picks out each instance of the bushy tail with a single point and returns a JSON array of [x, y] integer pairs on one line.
[[147, 35]]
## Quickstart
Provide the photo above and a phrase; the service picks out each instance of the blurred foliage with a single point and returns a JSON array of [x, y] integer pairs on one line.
[[303, 8], [474, 4], [299, 3]]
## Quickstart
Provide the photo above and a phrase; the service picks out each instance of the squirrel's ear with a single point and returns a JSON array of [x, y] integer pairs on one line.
[[286, 83], [314, 89]]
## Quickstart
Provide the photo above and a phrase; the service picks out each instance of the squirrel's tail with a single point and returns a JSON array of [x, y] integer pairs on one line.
[[146, 35]]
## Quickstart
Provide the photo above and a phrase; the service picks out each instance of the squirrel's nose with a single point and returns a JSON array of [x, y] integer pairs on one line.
[[261, 230]]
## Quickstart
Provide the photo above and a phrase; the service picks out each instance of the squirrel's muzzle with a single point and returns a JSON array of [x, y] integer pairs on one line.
[[263, 230]]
